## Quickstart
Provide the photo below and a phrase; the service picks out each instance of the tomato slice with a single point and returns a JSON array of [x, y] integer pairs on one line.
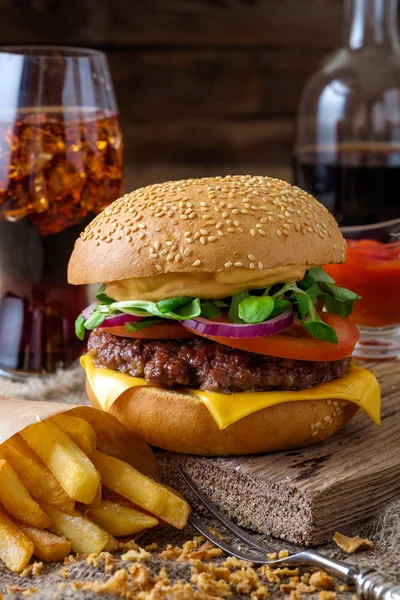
[[169, 329], [294, 342]]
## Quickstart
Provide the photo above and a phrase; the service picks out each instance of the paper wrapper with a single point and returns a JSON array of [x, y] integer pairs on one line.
[[112, 437]]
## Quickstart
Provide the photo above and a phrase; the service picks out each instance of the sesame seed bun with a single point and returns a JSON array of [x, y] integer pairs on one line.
[[206, 225], [181, 423]]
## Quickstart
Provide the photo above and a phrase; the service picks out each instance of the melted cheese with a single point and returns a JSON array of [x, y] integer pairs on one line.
[[219, 284], [359, 386]]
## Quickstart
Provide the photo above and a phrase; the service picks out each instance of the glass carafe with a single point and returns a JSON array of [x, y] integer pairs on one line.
[[347, 149], [347, 154]]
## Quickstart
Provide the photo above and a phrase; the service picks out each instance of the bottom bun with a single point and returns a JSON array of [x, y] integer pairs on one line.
[[179, 422]]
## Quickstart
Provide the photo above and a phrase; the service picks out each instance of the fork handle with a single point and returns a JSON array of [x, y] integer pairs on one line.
[[372, 585]]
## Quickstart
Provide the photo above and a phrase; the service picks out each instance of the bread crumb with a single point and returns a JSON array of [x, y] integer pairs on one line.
[[272, 556], [322, 581], [217, 534], [64, 573], [34, 570], [131, 545], [285, 571], [15, 589], [269, 574], [261, 593], [151, 547], [283, 554], [245, 580], [352, 544], [324, 595], [61, 586], [235, 563], [208, 585], [191, 551], [134, 555]]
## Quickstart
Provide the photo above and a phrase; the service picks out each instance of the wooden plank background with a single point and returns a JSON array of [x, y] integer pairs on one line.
[[203, 86]]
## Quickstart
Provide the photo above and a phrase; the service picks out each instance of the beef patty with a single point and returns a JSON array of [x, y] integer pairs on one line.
[[207, 365]]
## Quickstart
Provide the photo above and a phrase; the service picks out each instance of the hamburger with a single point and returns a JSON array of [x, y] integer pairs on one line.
[[215, 329]]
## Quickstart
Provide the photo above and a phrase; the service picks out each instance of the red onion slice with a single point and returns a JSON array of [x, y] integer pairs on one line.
[[119, 320], [235, 330]]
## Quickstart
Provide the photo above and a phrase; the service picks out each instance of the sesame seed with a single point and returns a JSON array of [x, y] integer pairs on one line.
[[314, 433], [228, 265], [178, 258], [238, 264], [235, 211], [183, 217], [260, 266], [128, 238], [231, 230], [153, 255], [317, 424], [187, 234], [312, 426], [253, 232], [329, 401], [159, 268], [278, 232], [203, 231], [221, 233], [211, 238], [225, 214], [252, 266], [202, 240], [261, 232], [286, 226], [286, 233], [327, 418], [196, 263], [251, 257]]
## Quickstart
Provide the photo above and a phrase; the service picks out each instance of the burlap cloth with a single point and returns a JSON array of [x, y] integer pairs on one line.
[[383, 530]]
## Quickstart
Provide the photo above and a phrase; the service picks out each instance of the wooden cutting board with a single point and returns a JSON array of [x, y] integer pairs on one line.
[[305, 495]]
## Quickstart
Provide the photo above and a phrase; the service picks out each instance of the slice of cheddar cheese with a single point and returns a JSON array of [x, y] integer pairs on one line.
[[359, 386]]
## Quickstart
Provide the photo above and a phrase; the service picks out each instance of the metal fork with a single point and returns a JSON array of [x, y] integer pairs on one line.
[[368, 584]]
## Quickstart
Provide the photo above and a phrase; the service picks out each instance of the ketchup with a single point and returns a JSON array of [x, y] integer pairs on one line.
[[372, 270]]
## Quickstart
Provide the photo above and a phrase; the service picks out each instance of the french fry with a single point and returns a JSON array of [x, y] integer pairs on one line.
[[15, 548], [120, 520], [108, 494], [97, 499], [34, 474], [78, 430], [17, 501], [47, 546], [117, 441], [69, 465], [85, 536], [141, 490]]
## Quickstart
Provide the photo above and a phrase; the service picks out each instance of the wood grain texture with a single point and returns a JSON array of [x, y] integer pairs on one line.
[[305, 495], [172, 22], [155, 85]]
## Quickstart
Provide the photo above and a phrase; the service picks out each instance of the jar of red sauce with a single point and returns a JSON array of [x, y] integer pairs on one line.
[[372, 270]]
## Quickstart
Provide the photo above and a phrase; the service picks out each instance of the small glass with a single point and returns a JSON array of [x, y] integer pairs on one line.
[[60, 164], [372, 270]]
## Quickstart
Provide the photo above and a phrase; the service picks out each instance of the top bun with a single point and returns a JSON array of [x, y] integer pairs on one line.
[[206, 225]]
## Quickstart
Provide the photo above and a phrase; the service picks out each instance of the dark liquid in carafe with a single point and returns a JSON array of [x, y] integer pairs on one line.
[[359, 185]]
